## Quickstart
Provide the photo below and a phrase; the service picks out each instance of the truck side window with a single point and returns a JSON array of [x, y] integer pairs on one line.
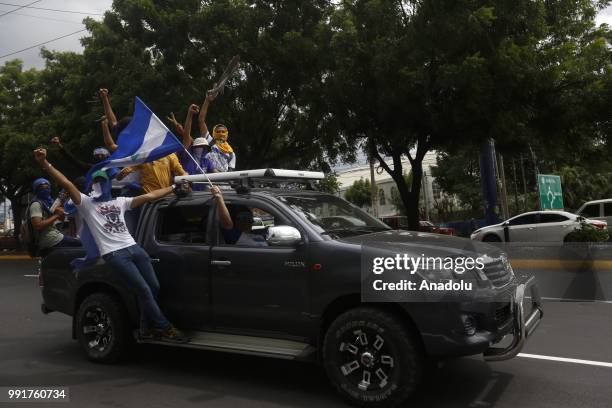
[[185, 224]]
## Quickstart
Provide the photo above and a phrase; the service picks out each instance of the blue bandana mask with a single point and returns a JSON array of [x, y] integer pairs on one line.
[[101, 191]]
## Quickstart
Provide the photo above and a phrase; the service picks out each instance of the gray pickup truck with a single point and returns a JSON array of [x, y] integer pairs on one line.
[[299, 297]]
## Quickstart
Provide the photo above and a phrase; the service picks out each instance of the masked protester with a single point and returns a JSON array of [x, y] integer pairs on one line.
[[105, 217], [43, 219], [221, 153], [197, 148], [98, 154]]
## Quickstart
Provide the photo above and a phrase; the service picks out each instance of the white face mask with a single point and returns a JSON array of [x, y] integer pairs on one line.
[[198, 151], [97, 190]]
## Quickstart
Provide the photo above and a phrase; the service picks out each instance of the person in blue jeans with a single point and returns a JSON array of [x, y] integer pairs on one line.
[[104, 216]]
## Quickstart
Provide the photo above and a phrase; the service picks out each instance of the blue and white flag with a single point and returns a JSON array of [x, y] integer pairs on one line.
[[143, 140]]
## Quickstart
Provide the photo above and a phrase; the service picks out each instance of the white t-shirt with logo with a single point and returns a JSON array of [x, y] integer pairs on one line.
[[106, 222]]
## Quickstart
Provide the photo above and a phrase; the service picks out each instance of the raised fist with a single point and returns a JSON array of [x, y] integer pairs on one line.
[[193, 109], [40, 154], [103, 92]]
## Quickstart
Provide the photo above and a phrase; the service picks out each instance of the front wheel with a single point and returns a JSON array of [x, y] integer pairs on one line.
[[102, 329], [372, 358]]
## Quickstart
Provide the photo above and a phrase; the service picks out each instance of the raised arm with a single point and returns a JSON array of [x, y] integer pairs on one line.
[[40, 155], [108, 111], [224, 216], [80, 164], [187, 139], [108, 139], [177, 126], [203, 111], [152, 196]]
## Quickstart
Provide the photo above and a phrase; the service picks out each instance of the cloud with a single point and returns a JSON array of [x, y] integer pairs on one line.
[[27, 27]]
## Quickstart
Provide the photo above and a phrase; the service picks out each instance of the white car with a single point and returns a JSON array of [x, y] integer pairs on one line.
[[535, 226], [597, 210]]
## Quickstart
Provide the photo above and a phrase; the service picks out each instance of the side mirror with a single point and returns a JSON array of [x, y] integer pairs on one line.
[[283, 235], [506, 223]]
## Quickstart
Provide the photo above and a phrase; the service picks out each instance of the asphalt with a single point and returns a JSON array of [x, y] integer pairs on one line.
[[36, 350]]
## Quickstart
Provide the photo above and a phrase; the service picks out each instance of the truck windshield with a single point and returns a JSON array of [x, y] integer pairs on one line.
[[333, 216]]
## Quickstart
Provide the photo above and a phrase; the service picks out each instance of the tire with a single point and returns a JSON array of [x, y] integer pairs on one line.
[[102, 329], [372, 358], [491, 238]]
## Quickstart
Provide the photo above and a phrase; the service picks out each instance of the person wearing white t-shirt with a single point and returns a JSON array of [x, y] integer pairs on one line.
[[105, 217]]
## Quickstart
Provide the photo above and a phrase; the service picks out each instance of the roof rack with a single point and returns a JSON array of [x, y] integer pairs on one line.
[[251, 178]]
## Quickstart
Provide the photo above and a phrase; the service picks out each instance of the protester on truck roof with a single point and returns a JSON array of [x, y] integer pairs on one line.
[[194, 158], [221, 154], [105, 217], [156, 174]]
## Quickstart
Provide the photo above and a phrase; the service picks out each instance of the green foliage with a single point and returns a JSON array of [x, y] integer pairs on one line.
[[360, 193], [580, 185], [459, 174], [329, 184], [588, 233]]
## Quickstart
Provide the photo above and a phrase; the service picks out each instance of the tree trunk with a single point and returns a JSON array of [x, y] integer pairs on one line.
[[411, 201]]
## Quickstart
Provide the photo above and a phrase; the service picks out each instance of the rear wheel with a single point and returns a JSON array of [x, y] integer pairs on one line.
[[372, 358], [101, 328]]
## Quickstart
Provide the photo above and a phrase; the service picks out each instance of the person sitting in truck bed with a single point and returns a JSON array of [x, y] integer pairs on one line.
[[236, 232]]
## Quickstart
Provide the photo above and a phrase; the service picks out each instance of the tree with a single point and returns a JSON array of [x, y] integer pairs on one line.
[[459, 174], [19, 108], [329, 184], [414, 76], [360, 193], [170, 53], [580, 185]]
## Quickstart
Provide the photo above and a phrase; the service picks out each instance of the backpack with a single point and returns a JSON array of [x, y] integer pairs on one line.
[[27, 238]]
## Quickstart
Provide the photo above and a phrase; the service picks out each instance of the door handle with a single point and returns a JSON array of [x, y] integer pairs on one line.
[[221, 263], [531, 228], [155, 260]]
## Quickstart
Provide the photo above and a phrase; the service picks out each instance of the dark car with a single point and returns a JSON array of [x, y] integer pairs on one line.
[[298, 298]]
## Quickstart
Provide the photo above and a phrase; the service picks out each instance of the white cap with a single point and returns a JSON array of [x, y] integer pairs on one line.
[[199, 141]]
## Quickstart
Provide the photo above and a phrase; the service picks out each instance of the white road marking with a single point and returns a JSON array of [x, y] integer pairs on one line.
[[567, 360], [31, 276]]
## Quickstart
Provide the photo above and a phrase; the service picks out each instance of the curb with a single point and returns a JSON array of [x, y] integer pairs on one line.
[[17, 258]]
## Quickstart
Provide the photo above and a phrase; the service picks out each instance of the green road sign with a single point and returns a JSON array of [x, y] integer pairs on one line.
[[551, 195]]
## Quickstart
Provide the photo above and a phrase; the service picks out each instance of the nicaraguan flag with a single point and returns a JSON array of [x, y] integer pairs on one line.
[[144, 139]]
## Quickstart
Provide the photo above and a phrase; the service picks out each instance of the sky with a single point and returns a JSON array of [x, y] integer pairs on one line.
[[28, 26]]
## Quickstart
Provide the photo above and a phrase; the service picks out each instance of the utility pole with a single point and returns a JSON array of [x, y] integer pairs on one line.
[[374, 189], [504, 191], [524, 183], [516, 201]]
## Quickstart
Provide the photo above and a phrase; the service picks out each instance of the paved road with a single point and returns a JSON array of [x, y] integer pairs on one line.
[[37, 350]]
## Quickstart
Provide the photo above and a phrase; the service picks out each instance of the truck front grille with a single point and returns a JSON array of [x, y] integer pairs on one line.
[[498, 272]]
